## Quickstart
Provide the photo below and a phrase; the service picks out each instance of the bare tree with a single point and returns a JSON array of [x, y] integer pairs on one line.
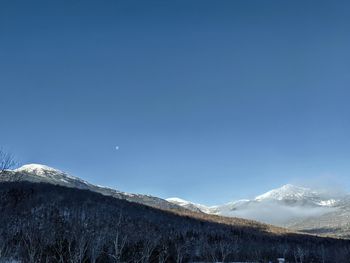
[[3, 249], [77, 248], [180, 251], [227, 247], [163, 253], [60, 250], [32, 246], [218, 251], [95, 248], [118, 247], [7, 161], [299, 255], [119, 242], [149, 245]]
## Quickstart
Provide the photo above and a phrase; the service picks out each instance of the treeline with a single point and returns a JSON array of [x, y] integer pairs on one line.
[[47, 223]]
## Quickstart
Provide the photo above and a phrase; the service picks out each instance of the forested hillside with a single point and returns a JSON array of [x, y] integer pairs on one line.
[[47, 223]]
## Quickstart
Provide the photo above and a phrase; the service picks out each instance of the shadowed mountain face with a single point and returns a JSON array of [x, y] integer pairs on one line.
[[45, 174], [290, 206], [58, 224]]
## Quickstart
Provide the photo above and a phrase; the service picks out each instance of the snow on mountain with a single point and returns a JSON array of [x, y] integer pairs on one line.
[[38, 169], [279, 206], [287, 192], [330, 202], [299, 196], [44, 174], [178, 201], [189, 205], [291, 206]]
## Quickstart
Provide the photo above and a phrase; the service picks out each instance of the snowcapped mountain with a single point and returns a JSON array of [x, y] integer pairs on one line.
[[298, 195], [295, 207], [189, 205], [283, 206], [38, 169], [44, 174], [287, 192]]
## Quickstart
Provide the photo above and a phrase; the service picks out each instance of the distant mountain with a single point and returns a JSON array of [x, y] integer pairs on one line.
[[49, 215], [295, 195], [46, 222], [44, 174], [336, 221], [188, 205], [298, 208]]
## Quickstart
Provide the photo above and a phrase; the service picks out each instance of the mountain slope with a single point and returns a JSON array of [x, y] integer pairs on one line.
[[45, 174], [297, 208], [56, 223], [290, 206], [189, 205], [334, 222]]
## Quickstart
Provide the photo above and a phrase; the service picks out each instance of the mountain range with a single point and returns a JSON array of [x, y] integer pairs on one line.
[[293, 207], [45, 174]]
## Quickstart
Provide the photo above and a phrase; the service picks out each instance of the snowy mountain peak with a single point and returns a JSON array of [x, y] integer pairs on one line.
[[178, 201], [45, 172], [38, 173], [189, 205], [287, 192], [37, 169]]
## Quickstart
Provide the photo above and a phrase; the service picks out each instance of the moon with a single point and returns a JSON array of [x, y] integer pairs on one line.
[[117, 147]]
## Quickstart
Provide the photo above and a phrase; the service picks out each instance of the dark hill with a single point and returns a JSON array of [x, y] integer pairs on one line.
[[47, 223]]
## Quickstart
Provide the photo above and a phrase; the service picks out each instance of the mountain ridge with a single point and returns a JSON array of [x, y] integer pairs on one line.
[[287, 193], [297, 208], [43, 173], [57, 224]]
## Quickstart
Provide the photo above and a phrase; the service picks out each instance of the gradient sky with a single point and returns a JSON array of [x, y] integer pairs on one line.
[[207, 100]]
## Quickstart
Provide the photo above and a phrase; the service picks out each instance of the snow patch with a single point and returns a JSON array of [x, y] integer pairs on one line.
[[330, 202], [38, 169], [287, 191], [178, 201]]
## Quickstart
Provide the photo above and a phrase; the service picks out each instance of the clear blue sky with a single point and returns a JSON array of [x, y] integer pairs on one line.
[[207, 100]]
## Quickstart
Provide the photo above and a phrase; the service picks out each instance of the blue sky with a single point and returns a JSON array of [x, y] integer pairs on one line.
[[207, 100]]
